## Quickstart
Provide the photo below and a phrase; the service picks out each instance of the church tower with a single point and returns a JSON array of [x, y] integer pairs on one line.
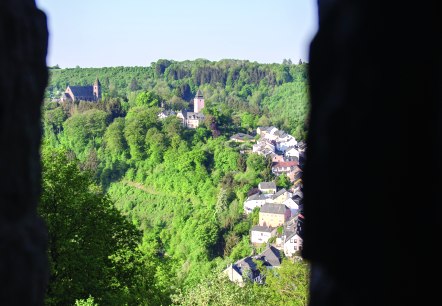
[[198, 102], [97, 90]]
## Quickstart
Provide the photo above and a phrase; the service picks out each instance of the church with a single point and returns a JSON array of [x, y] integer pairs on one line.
[[193, 119], [83, 93]]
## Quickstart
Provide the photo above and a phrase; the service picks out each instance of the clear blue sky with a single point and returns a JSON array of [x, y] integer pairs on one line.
[[104, 33]]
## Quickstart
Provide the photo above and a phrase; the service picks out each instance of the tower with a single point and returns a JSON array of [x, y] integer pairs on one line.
[[198, 102], [97, 89]]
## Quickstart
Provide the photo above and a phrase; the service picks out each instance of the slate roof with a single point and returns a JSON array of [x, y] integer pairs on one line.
[[267, 185], [257, 196], [271, 257], [199, 94], [241, 136], [83, 91], [259, 228], [273, 208], [246, 264], [279, 193]]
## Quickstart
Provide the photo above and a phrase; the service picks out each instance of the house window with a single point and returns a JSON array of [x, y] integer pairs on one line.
[[295, 241]]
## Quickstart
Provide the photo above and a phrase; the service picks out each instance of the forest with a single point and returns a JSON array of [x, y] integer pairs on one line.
[[143, 211]]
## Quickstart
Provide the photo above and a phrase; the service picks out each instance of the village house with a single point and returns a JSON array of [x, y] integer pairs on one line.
[[193, 119], [279, 197], [267, 187], [286, 143], [241, 137], [256, 200], [247, 268], [273, 215], [293, 205], [166, 113], [292, 152], [267, 194], [82, 93], [292, 236], [266, 130], [292, 244], [283, 167], [261, 234], [264, 147]]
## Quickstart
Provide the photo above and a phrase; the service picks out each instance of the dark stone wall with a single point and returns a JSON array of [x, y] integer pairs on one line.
[[23, 78], [373, 172]]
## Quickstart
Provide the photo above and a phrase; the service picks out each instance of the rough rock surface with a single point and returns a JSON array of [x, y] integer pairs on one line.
[[373, 172], [23, 78]]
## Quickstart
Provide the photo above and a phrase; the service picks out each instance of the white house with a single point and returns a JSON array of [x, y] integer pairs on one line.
[[256, 200], [267, 187], [292, 244], [264, 130], [261, 234], [292, 152], [285, 143], [290, 203]]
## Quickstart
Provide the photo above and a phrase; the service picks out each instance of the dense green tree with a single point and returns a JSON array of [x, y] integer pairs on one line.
[[138, 121], [92, 248], [287, 285], [148, 98], [84, 130]]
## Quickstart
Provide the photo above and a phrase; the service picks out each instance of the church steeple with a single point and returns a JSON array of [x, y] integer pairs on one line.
[[97, 89]]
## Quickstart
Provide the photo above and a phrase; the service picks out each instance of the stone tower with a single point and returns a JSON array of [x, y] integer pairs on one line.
[[97, 89], [198, 102]]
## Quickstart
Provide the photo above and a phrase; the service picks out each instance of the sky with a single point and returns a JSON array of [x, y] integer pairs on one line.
[[105, 33]]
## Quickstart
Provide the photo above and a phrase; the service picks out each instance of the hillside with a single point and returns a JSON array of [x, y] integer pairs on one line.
[[182, 189]]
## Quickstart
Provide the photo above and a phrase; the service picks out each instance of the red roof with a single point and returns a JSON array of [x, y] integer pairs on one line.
[[285, 164]]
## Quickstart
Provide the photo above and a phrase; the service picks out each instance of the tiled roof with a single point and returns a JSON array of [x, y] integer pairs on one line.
[[259, 228], [285, 164], [267, 185], [273, 208]]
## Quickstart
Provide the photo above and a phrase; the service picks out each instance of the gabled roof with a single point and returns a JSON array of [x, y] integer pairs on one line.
[[285, 164], [257, 197], [245, 264], [267, 185], [82, 91], [279, 193], [290, 235], [271, 257], [273, 208]]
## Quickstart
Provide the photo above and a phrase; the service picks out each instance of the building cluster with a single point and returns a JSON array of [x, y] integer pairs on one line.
[[285, 152], [289, 242], [278, 210], [189, 119]]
